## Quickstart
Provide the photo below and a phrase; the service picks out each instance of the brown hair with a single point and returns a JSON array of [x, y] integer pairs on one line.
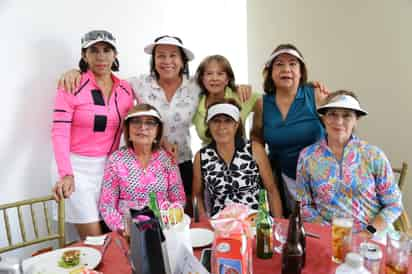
[[222, 61], [240, 130], [269, 86], [126, 126]]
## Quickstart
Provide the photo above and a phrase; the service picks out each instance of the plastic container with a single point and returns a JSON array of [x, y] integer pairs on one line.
[[353, 265], [372, 256]]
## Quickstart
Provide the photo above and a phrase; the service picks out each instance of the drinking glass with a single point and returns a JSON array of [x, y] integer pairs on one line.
[[397, 253], [280, 232], [341, 237], [127, 222]]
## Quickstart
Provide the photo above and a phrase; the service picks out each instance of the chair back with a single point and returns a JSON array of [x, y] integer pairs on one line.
[[402, 223], [34, 222], [401, 173]]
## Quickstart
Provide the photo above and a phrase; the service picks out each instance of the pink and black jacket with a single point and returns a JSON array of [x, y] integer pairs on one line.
[[85, 123]]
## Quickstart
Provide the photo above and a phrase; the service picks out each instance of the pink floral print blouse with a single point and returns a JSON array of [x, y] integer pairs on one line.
[[126, 184]]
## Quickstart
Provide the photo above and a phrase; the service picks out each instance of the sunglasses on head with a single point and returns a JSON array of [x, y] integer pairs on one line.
[[97, 34], [168, 36]]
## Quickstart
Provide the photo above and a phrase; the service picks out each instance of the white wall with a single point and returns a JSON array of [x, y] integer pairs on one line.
[[41, 39], [363, 45]]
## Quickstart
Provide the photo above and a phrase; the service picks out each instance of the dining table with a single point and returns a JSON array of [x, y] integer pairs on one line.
[[318, 253]]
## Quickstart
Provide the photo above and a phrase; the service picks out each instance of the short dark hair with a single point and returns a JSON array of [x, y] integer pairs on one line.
[[222, 61], [240, 133], [269, 86], [126, 126], [83, 66], [183, 71]]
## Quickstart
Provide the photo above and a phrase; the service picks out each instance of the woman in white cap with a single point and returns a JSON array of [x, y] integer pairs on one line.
[[86, 129], [231, 169], [341, 175], [138, 168], [169, 88], [289, 121]]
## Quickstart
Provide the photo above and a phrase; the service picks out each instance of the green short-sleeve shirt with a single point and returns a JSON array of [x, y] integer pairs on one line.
[[200, 115]]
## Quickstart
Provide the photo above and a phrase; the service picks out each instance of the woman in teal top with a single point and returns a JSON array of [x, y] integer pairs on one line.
[[289, 121], [217, 81]]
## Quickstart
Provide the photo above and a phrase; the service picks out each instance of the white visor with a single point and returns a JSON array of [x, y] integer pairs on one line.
[[343, 101], [169, 40], [151, 112], [226, 109], [281, 51]]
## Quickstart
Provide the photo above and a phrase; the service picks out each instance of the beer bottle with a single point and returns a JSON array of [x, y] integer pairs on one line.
[[292, 253], [302, 231], [264, 228], [154, 206]]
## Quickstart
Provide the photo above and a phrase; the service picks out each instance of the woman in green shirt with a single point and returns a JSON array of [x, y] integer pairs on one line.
[[217, 81]]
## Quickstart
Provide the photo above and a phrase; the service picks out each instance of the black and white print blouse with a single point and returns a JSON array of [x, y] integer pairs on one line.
[[239, 182]]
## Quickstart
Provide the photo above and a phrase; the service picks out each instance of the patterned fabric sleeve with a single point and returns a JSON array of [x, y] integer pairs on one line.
[[309, 212], [387, 189], [176, 192], [61, 128], [109, 197]]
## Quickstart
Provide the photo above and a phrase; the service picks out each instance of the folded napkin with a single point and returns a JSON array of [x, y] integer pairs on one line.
[[95, 240]]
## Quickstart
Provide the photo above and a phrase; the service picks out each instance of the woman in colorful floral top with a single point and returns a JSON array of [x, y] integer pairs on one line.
[[137, 169], [341, 174]]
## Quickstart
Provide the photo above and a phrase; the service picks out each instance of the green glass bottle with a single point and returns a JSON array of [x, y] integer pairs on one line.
[[154, 206], [264, 228]]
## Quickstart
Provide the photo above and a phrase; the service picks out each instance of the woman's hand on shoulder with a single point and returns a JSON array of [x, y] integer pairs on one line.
[[171, 148], [321, 92], [244, 92], [70, 80]]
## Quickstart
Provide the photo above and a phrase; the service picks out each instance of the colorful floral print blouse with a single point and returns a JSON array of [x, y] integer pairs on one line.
[[361, 184], [126, 184]]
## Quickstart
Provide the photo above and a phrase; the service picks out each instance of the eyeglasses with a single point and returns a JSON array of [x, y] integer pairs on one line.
[[97, 34], [344, 115], [165, 36], [150, 124]]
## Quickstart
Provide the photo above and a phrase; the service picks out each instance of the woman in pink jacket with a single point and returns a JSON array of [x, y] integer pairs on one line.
[[86, 129]]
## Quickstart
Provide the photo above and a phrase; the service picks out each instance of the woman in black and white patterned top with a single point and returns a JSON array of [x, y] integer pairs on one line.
[[231, 169]]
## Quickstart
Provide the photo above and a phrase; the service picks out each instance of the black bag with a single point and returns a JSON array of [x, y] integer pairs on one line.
[[148, 244]]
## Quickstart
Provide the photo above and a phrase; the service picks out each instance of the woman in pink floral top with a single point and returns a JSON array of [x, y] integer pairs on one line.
[[138, 168]]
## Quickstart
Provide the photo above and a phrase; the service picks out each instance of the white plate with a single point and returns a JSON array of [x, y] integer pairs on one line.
[[201, 237], [49, 262]]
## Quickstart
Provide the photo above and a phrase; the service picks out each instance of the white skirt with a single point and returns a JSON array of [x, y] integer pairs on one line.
[[82, 205]]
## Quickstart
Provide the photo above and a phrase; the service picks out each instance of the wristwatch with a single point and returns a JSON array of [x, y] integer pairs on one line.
[[371, 229]]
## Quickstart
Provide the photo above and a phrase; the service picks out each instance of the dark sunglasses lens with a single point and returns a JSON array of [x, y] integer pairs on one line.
[[93, 35]]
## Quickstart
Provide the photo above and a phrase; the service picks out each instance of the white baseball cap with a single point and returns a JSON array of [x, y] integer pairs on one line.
[[224, 108], [96, 36], [345, 102], [169, 40]]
